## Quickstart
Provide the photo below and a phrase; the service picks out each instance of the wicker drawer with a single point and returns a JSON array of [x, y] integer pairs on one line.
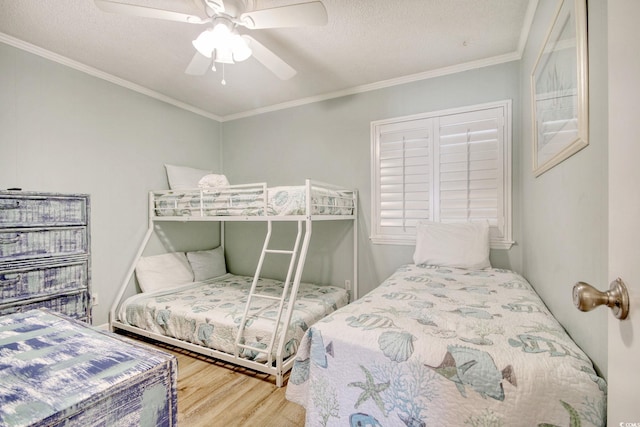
[[73, 305], [39, 211], [35, 282], [17, 244]]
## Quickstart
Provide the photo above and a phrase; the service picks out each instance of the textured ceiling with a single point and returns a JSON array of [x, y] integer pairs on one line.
[[367, 43]]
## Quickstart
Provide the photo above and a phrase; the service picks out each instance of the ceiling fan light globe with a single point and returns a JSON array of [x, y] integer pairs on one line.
[[239, 47], [242, 55], [205, 43]]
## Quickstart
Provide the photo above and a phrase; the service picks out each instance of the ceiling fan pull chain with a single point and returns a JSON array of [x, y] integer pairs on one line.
[[224, 82]]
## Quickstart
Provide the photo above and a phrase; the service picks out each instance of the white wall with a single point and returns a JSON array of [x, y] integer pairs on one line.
[[564, 211], [330, 141], [65, 131]]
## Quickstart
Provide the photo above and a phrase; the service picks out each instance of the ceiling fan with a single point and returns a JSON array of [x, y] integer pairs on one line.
[[221, 42]]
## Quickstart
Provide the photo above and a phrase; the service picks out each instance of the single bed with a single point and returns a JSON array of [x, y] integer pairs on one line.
[[208, 313], [438, 345]]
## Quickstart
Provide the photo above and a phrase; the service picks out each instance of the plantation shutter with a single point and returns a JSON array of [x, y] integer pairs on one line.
[[404, 177], [470, 167], [447, 166]]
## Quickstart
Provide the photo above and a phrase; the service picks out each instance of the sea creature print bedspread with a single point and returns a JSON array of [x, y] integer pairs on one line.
[[435, 346], [209, 313]]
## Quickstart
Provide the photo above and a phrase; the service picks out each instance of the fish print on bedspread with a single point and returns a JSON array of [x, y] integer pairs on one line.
[[318, 355], [363, 420], [368, 321], [470, 367], [535, 344]]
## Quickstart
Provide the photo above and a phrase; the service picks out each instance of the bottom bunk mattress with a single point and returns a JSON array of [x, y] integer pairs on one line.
[[444, 346], [209, 313]]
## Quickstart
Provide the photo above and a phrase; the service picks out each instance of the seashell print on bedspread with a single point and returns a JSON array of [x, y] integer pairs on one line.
[[445, 346], [286, 200], [209, 313]]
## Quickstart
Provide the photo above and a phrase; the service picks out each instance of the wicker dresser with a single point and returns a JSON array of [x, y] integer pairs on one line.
[[45, 253]]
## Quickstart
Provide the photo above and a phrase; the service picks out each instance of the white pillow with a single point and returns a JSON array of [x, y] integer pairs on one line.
[[461, 245], [164, 271], [207, 264], [213, 180], [182, 177]]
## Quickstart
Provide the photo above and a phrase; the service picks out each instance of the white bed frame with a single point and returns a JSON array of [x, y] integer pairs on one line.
[[298, 254]]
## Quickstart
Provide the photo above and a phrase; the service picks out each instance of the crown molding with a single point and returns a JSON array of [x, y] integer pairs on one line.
[[526, 25]]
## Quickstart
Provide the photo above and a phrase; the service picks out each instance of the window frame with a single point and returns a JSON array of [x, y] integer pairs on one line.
[[504, 230]]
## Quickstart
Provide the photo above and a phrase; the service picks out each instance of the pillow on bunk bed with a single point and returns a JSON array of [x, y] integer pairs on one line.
[[460, 245], [213, 180], [164, 271], [207, 264], [182, 177]]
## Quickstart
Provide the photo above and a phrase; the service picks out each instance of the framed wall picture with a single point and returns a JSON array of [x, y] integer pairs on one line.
[[559, 89]]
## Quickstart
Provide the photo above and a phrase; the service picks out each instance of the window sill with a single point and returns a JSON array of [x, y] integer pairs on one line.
[[378, 240]]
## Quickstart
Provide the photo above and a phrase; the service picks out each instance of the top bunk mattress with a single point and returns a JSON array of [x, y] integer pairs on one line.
[[434, 346], [250, 200], [208, 313]]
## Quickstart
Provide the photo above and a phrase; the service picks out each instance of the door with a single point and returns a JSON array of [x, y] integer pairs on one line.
[[624, 207]]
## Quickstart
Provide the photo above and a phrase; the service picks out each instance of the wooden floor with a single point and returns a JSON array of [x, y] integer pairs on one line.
[[213, 393]]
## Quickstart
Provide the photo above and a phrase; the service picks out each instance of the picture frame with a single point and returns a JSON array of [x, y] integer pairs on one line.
[[559, 89]]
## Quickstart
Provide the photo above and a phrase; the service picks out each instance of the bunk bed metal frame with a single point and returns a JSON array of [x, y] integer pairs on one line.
[[199, 212]]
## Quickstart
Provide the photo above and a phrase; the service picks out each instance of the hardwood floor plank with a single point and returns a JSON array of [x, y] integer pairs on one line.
[[213, 393]]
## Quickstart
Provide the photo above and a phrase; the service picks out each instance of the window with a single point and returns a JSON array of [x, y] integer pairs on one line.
[[446, 166]]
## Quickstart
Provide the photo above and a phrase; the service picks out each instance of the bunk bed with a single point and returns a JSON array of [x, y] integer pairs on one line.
[[446, 340], [252, 322]]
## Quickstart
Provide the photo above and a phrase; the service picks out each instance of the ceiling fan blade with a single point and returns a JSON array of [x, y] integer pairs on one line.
[[199, 65], [148, 12], [210, 7], [269, 59], [200, 5], [295, 15], [216, 5]]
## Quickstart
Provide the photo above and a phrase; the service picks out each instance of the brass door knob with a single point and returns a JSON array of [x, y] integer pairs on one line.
[[586, 298]]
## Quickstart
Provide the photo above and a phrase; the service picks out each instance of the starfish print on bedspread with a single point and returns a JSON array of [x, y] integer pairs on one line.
[[370, 390]]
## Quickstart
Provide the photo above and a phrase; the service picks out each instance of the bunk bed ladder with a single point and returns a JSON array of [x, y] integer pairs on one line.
[[253, 294]]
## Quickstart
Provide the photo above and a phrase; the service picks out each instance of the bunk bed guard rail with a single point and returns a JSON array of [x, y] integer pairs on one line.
[[255, 200]]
